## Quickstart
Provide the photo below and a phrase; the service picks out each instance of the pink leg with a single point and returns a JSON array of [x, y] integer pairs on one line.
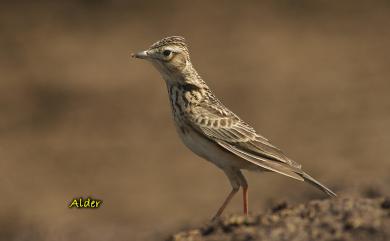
[[244, 185], [245, 199], [225, 203]]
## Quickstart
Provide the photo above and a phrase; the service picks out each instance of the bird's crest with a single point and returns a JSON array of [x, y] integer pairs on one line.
[[173, 40]]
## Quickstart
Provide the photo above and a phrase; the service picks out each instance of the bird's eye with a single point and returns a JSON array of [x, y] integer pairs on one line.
[[167, 53]]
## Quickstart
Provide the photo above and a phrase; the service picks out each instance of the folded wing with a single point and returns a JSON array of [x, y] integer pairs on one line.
[[236, 136], [231, 133]]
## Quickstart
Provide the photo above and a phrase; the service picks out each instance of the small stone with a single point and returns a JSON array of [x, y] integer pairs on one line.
[[207, 230], [386, 203], [279, 207]]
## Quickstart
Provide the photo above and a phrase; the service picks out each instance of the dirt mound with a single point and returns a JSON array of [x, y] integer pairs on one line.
[[344, 218]]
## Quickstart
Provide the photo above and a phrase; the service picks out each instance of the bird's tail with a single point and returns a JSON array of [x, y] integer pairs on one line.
[[317, 184]]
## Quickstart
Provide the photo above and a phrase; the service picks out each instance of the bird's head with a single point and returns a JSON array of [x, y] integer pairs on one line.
[[169, 55]]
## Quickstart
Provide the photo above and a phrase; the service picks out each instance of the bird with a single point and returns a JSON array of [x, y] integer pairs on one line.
[[212, 131]]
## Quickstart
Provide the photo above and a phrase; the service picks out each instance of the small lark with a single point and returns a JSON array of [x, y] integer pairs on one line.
[[210, 129]]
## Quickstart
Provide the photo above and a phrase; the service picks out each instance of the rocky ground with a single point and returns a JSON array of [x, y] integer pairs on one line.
[[343, 218]]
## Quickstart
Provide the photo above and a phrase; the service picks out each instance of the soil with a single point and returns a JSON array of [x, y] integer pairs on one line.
[[343, 219]]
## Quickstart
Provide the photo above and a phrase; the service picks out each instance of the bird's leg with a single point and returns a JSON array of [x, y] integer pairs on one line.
[[236, 179], [245, 199], [226, 202], [244, 185]]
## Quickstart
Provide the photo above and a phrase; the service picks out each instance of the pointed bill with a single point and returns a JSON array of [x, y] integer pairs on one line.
[[140, 55]]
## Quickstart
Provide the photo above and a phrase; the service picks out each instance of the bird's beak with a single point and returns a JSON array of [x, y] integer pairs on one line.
[[140, 55]]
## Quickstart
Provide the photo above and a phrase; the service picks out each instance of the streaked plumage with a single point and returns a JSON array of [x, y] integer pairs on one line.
[[210, 129]]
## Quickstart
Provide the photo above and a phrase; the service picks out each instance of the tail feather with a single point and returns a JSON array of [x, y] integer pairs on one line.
[[317, 184]]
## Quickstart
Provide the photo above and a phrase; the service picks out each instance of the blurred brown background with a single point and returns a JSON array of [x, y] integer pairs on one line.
[[80, 118]]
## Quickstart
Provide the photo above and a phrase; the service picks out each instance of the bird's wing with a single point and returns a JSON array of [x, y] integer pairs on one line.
[[225, 128]]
